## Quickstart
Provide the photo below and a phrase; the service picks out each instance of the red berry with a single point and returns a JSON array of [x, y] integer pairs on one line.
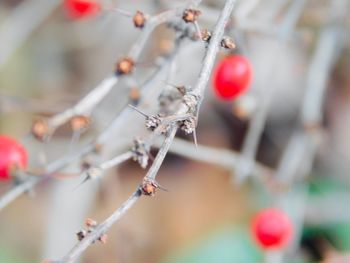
[[12, 154], [232, 77], [272, 228], [79, 9]]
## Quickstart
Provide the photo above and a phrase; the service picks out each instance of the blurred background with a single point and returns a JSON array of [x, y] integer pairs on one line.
[[48, 61]]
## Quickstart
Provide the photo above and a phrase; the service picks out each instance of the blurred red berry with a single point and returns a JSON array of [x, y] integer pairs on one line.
[[80, 9], [272, 228], [232, 77], [12, 154]]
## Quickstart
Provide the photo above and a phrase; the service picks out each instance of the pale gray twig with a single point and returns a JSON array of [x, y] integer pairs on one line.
[[198, 91]]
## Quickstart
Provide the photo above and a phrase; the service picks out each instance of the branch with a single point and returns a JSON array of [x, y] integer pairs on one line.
[[184, 108], [86, 105], [102, 228]]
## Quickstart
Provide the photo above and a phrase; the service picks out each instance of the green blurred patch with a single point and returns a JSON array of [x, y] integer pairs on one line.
[[225, 246], [8, 256]]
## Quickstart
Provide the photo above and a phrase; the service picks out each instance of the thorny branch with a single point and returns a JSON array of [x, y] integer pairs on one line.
[[86, 105], [59, 164], [184, 108]]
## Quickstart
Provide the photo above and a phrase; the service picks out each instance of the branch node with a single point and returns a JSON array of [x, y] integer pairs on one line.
[[191, 15], [125, 66], [139, 19], [80, 123], [41, 130]]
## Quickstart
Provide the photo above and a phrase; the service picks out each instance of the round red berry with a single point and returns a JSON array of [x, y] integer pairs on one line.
[[232, 77], [272, 228], [79, 9], [12, 155]]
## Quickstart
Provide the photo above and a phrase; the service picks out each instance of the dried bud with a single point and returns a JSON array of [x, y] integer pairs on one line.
[[41, 130], [153, 121], [140, 153], [191, 101], [149, 187], [81, 234], [228, 43], [103, 239], [189, 125], [139, 19], [125, 66], [190, 15], [80, 123], [134, 95], [205, 35], [90, 223]]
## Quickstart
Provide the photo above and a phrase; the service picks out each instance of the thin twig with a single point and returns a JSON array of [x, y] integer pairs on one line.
[[199, 91]]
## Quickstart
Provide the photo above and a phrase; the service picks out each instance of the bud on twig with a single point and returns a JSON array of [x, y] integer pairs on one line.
[[41, 130], [153, 121], [80, 123], [205, 35], [149, 187], [191, 15], [189, 125], [134, 95], [228, 43], [91, 225], [125, 66], [139, 19]]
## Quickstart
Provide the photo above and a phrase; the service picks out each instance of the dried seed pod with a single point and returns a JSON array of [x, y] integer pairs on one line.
[[191, 101], [189, 125], [191, 15], [228, 43], [125, 66], [149, 187], [134, 95], [153, 121], [41, 130], [139, 19], [205, 35], [81, 234], [80, 123]]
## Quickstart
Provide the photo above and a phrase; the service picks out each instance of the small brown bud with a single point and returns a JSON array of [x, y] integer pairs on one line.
[[134, 95], [41, 130], [80, 123], [228, 43], [98, 148], [191, 15], [139, 19], [205, 35], [81, 234], [125, 66], [103, 239], [149, 187], [90, 223]]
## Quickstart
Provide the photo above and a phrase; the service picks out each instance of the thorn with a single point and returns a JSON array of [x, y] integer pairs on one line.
[[195, 137], [87, 178], [139, 111]]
